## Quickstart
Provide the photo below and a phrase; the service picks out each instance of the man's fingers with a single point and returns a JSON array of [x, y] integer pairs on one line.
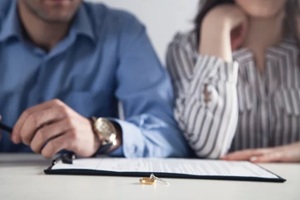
[[53, 146], [53, 126], [34, 118], [27, 113], [47, 132]]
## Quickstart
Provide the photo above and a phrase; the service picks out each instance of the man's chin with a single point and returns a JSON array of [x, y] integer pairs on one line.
[[58, 2], [57, 20]]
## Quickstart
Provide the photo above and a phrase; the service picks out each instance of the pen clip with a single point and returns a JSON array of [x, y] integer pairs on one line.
[[66, 158]]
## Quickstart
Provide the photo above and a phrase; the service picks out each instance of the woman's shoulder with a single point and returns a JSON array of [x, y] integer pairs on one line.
[[288, 46], [185, 40], [290, 42]]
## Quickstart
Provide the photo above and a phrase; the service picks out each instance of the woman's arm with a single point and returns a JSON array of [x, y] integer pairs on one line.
[[205, 86], [286, 153], [223, 29]]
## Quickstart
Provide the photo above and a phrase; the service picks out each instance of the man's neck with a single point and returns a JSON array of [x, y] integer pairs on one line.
[[41, 33]]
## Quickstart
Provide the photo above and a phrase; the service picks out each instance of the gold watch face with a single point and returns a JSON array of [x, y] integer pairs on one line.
[[105, 128]]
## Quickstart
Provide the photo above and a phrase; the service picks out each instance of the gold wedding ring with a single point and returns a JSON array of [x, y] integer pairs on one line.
[[152, 180], [147, 181]]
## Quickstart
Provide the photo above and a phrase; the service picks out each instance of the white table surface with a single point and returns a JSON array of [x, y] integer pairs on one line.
[[22, 177]]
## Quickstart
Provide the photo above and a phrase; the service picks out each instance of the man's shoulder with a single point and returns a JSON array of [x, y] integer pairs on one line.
[[5, 4], [4, 8], [99, 12]]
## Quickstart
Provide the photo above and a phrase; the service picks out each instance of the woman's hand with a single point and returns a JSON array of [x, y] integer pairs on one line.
[[223, 29], [286, 153]]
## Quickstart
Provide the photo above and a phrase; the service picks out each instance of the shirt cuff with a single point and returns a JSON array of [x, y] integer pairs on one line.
[[132, 140], [212, 67]]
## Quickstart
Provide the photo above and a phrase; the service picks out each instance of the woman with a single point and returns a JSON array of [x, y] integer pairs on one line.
[[237, 81]]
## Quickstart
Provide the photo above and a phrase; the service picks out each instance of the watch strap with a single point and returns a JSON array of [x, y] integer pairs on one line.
[[103, 149]]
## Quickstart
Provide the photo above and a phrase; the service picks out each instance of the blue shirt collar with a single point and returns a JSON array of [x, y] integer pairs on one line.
[[12, 26], [82, 24]]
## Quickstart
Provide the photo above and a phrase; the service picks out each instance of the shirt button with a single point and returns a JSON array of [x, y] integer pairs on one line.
[[39, 52]]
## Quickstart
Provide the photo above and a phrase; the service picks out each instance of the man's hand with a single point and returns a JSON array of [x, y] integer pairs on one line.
[[223, 30], [53, 126], [286, 153]]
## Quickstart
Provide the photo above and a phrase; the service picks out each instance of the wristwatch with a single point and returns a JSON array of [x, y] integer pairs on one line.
[[106, 132]]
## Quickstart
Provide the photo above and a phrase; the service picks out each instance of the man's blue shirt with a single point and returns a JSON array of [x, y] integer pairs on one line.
[[105, 59]]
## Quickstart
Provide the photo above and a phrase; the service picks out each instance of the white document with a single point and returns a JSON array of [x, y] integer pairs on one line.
[[191, 167]]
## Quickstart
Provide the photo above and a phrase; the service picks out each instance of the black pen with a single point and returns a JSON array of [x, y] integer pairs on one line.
[[5, 128]]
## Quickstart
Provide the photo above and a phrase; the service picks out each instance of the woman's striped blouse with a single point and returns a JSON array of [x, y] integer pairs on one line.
[[223, 107]]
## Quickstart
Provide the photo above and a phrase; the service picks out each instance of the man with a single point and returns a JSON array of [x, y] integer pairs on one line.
[[64, 61]]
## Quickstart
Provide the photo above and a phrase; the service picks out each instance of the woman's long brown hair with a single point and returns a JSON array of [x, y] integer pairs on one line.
[[293, 11], [204, 8]]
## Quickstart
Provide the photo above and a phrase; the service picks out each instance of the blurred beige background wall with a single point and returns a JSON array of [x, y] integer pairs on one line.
[[163, 18]]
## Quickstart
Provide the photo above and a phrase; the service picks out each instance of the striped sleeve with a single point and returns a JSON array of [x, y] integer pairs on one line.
[[206, 98]]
